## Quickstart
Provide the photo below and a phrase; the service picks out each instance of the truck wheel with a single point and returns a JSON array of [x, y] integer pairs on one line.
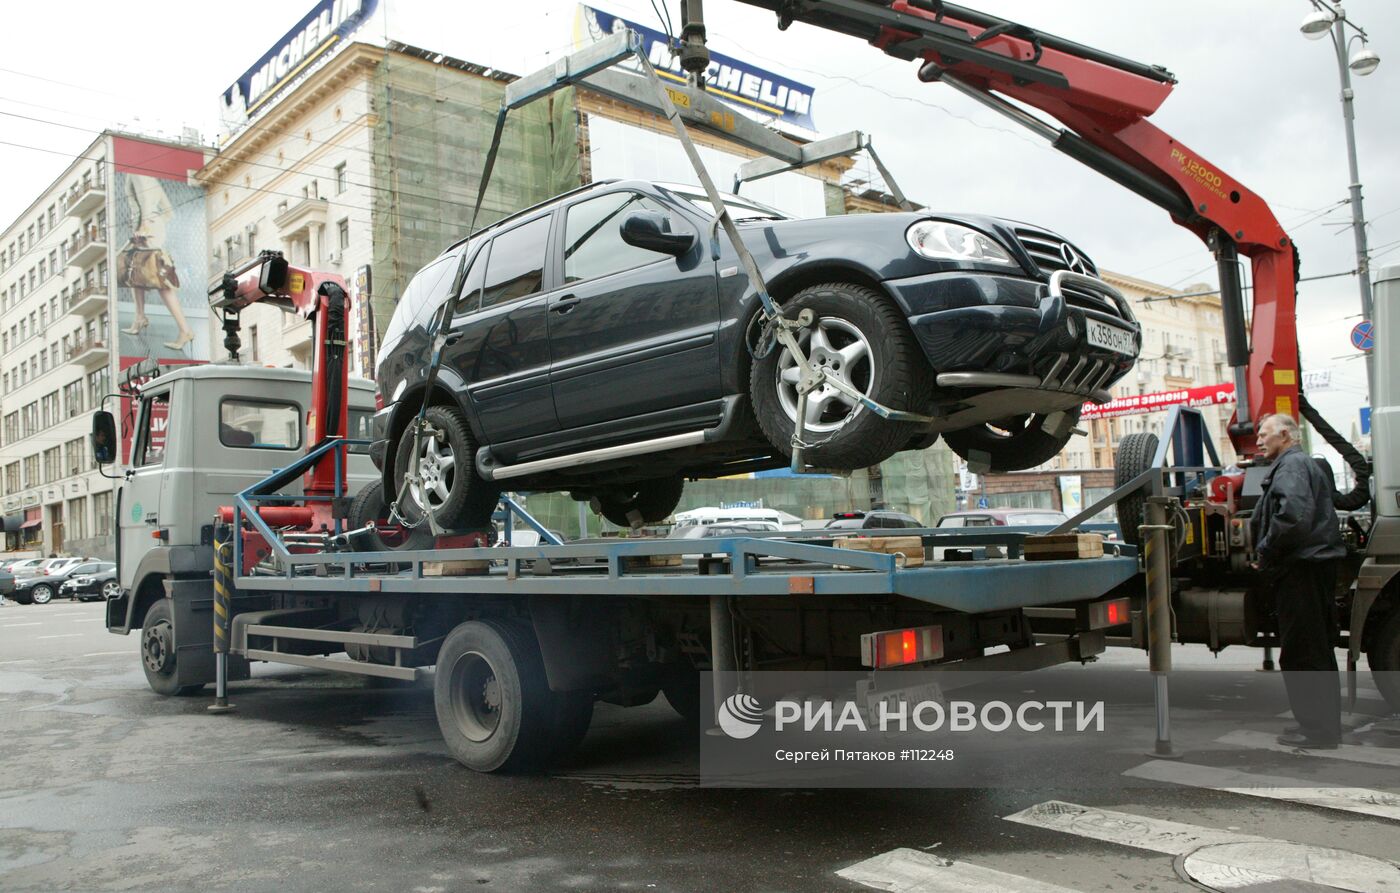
[[1384, 658], [652, 500], [1011, 444], [493, 705], [865, 342], [158, 652], [458, 497], [369, 505], [41, 593], [1135, 454]]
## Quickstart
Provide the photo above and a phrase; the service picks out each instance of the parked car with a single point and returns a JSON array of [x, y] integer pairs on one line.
[[91, 585], [879, 519], [714, 531], [42, 588], [16, 565], [7, 583], [1004, 518], [605, 344]]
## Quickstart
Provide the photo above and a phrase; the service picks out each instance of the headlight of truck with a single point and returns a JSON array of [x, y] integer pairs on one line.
[[941, 240]]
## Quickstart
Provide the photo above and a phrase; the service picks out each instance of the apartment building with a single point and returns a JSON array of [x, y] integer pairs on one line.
[[61, 340]]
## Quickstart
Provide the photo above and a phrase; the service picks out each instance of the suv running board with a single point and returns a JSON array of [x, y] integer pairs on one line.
[[589, 457]]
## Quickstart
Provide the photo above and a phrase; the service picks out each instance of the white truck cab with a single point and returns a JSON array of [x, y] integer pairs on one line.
[[199, 435]]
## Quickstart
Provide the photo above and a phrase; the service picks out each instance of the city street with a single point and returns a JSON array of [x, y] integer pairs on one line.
[[321, 781]]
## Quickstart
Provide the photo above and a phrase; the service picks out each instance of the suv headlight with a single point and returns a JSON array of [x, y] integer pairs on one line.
[[941, 240]]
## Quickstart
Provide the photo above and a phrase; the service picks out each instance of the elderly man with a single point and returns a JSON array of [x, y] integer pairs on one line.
[[1297, 542]]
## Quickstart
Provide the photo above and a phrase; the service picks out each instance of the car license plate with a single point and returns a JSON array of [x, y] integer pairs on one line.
[[1112, 338]]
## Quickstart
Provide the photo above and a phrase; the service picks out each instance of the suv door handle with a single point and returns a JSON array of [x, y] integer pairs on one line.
[[564, 304]]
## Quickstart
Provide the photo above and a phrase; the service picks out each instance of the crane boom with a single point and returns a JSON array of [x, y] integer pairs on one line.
[[1104, 103]]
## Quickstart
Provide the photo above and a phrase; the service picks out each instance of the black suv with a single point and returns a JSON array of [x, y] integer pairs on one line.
[[606, 343]]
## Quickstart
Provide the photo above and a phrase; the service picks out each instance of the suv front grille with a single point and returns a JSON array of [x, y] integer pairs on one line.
[[1049, 250]]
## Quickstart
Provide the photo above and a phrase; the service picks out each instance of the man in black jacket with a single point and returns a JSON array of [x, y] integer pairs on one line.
[[1298, 541]]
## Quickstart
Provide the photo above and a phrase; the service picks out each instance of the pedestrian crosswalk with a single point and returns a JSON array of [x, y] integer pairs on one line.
[[1212, 857]]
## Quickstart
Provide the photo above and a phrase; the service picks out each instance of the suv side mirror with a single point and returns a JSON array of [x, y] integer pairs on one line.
[[104, 438], [652, 230]]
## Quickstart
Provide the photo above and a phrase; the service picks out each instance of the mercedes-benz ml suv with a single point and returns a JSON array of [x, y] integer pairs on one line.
[[606, 343]]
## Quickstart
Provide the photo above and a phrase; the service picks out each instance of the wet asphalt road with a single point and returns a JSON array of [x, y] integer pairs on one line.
[[326, 782]]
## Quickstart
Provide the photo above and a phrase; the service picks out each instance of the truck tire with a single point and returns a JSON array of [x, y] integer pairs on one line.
[[864, 340], [1135, 454], [369, 505], [652, 500], [573, 714], [493, 704], [458, 496], [158, 652], [1012, 444], [41, 593], [1384, 658]]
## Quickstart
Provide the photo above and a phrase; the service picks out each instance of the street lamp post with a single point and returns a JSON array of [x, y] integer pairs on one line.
[[1330, 19]]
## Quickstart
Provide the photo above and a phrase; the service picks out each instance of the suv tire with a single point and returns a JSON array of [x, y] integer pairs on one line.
[[864, 340], [1012, 444], [459, 497], [653, 500]]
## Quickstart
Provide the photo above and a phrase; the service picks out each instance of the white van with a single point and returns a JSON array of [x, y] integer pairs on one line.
[[709, 515]]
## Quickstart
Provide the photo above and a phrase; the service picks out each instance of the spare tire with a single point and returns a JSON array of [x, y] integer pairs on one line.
[[1135, 454], [653, 500], [370, 505]]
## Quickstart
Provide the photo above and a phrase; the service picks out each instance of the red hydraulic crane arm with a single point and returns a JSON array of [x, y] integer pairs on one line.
[[320, 297], [1104, 103]]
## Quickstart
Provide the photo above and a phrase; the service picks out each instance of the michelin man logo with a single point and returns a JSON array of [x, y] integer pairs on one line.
[[740, 716]]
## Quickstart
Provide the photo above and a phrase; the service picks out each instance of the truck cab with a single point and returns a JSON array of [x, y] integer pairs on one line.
[[200, 435]]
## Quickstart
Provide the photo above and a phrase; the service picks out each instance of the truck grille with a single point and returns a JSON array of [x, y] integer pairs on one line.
[[1049, 252]]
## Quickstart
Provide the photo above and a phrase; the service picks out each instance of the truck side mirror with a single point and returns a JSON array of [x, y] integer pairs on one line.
[[652, 230], [104, 438]]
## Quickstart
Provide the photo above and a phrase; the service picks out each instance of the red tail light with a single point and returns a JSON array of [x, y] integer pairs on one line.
[[898, 647], [1098, 615], [378, 400]]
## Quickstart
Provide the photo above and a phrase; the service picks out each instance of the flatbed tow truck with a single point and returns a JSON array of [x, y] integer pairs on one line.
[[525, 640]]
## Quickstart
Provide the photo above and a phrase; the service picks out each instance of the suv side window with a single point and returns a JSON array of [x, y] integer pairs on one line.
[[469, 301], [516, 267], [593, 245]]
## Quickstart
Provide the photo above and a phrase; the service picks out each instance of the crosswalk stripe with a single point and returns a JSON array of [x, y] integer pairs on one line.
[[1229, 859], [911, 871], [1361, 800], [1352, 753]]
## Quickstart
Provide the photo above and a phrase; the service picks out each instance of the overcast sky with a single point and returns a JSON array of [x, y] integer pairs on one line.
[[1253, 97]]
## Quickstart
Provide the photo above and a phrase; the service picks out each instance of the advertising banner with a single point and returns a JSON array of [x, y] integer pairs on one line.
[[361, 295], [314, 38], [754, 90], [1138, 404], [159, 244]]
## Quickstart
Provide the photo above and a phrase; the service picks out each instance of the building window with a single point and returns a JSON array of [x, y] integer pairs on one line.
[[253, 343], [340, 178], [343, 228], [53, 465], [76, 450], [76, 527], [102, 517]]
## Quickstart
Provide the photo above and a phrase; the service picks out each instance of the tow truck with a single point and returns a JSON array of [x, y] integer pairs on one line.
[[524, 640]]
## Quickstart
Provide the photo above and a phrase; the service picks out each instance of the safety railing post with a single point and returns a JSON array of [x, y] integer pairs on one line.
[[223, 615]]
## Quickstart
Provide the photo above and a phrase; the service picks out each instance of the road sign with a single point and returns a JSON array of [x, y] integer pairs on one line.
[[1365, 421], [1363, 335], [982, 502]]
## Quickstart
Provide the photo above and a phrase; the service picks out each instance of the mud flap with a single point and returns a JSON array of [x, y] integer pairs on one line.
[[192, 612]]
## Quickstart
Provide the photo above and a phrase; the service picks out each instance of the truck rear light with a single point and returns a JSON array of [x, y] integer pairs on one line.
[[378, 400], [1099, 615], [898, 647]]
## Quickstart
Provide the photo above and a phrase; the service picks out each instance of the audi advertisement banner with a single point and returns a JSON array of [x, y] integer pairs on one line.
[[1207, 395]]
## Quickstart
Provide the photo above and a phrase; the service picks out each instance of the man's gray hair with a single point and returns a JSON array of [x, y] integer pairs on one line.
[[1287, 423]]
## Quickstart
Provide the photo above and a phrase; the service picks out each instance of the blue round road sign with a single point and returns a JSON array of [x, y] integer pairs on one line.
[[1363, 335]]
